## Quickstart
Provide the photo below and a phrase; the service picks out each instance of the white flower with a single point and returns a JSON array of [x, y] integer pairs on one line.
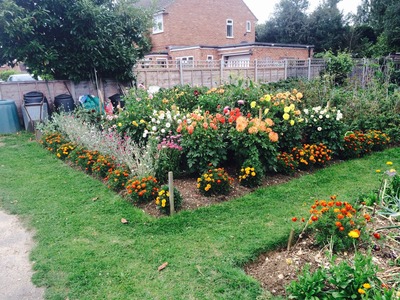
[[327, 116], [168, 125], [321, 116], [179, 121], [317, 108], [158, 122], [163, 130], [319, 128], [154, 128], [305, 111], [339, 116], [153, 120], [161, 116], [189, 121], [315, 120]]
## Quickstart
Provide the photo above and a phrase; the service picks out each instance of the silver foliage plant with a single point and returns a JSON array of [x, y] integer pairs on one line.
[[139, 160]]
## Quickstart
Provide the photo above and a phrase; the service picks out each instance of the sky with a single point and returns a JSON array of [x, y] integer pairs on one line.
[[263, 9]]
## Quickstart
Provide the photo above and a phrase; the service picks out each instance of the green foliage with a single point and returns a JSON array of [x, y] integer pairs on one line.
[[162, 200], [355, 279], [74, 40], [338, 66], [214, 182], [142, 189], [5, 74], [309, 285]]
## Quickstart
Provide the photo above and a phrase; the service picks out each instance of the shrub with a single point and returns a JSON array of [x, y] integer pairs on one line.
[[324, 125], [251, 173], [286, 163], [162, 200], [311, 155], [142, 189], [117, 178], [214, 182], [379, 140]]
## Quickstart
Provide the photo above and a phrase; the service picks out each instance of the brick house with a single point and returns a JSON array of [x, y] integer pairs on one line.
[[208, 30]]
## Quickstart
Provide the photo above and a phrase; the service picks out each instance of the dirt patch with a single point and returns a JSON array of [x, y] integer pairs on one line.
[[276, 269]]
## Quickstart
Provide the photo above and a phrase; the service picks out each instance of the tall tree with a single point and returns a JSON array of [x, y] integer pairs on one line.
[[327, 27], [72, 39], [288, 24]]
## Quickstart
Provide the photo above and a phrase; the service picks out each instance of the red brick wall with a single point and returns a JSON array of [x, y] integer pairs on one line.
[[277, 53], [194, 22]]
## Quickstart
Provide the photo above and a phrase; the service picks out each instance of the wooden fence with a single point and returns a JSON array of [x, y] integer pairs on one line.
[[167, 74]]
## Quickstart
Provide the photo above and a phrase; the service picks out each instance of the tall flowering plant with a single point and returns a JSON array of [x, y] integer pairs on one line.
[[324, 125], [168, 157], [203, 140], [253, 138]]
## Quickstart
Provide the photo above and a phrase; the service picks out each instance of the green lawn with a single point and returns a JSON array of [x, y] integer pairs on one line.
[[84, 252]]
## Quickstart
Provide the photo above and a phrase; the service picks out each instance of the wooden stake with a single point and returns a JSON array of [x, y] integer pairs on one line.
[[171, 193], [290, 239]]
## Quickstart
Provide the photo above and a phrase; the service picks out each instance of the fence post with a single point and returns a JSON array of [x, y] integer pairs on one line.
[[309, 69], [221, 71], [181, 72], [171, 192], [255, 71], [286, 67]]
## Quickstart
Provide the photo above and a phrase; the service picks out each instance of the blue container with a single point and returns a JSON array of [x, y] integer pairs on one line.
[[9, 121]]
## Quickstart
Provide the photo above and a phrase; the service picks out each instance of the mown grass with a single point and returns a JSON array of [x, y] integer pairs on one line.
[[83, 251]]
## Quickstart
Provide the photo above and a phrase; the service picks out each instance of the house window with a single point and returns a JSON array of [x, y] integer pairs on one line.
[[248, 26], [158, 23], [229, 28], [187, 61], [210, 57]]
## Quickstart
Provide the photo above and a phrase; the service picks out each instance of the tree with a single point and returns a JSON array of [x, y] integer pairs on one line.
[[68, 39], [327, 29], [288, 24]]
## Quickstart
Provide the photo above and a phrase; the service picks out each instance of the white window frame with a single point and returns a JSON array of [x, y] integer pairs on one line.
[[229, 25], [187, 61], [158, 23], [248, 26], [210, 57]]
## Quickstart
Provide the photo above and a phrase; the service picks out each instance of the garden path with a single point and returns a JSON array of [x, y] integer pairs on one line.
[[16, 268]]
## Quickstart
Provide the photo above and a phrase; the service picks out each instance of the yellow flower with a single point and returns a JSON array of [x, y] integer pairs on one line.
[[253, 104], [199, 179], [392, 170], [366, 285], [286, 109], [266, 111], [119, 124], [292, 122], [361, 291], [378, 171], [134, 123], [355, 234], [253, 174], [198, 185], [142, 121], [247, 172], [252, 169], [292, 107], [286, 116], [299, 95], [389, 163], [158, 201], [163, 203]]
